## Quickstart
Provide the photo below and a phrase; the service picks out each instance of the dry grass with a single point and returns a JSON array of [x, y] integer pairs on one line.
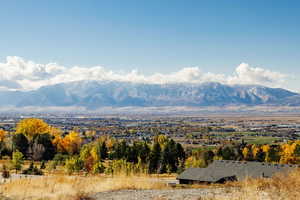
[[280, 187], [74, 188]]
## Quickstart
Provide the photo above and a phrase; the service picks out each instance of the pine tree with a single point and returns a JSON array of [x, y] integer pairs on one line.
[[154, 158], [20, 143], [103, 151]]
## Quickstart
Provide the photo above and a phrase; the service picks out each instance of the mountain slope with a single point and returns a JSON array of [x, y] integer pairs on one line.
[[93, 94]]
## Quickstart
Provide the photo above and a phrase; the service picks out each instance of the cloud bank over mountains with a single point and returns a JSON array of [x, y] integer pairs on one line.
[[20, 74]]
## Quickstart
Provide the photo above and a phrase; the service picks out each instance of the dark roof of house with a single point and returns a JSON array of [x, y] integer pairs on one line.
[[240, 169]]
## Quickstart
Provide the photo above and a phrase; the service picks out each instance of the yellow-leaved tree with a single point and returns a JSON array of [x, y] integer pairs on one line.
[[71, 142], [31, 127]]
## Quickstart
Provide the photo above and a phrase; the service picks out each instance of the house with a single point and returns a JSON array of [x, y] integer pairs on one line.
[[220, 171]]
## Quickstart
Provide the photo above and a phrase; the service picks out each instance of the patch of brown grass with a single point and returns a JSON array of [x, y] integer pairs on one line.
[[74, 187], [279, 187]]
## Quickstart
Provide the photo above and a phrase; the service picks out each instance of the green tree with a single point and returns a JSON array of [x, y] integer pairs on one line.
[[208, 157], [227, 153], [98, 168], [20, 143], [73, 164], [154, 158], [103, 151], [17, 160], [169, 158]]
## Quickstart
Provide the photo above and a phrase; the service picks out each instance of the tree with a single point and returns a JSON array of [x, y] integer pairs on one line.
[[144, 152], [274, 154], [3, 143], [31, 127], [208, 157], [228, 153], [169, 158], [36, 151], [180, 151], [247, 154], [71, 143], [2, 135], [20, 143], [98, 168], [103, 151], [154, 158], [17, 160], [73, 164], [45, 140]]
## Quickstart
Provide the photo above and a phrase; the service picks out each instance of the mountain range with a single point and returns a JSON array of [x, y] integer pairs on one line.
[[95, 94]]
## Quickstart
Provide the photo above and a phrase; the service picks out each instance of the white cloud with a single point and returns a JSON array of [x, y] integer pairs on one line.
[[244, 74], [19, 74]]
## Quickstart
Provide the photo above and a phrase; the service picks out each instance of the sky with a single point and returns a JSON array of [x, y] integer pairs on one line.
[[157, 41]]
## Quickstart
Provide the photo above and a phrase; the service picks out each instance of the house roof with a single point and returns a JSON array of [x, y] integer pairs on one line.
[[240, 169]]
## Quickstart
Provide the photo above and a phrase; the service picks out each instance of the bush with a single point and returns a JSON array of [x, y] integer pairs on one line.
[[60, 158], [51, 165], [73, 165], [98, 168], [32, 170], [17, 160], [5, 172], [43, 165]]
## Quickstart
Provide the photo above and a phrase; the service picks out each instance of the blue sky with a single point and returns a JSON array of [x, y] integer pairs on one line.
[[155, 36]]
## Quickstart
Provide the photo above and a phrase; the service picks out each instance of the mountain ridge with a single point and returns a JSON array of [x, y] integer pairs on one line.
[[95, 94]]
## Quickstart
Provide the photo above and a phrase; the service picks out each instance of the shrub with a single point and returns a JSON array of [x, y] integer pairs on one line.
[[17, 160], [32, 170], [73, 165], [98, 168], [5, 172], [43, 165], [60, 158]]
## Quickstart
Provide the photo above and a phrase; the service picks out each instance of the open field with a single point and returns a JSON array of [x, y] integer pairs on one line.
[[72, 187]]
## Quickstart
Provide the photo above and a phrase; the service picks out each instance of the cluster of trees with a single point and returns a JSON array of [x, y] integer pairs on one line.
[[37, 141], [112, 156], [286, 153]]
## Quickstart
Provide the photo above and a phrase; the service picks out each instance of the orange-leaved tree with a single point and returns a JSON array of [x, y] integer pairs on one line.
[[2, 135], [70, 143]]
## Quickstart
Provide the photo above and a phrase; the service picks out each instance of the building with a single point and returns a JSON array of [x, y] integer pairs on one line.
[[220, 171]]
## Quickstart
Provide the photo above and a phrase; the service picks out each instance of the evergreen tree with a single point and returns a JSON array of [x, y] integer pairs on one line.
[[103, 151], [154, 158], [144, 152], [20, 143], [180, 151], [169, 158]]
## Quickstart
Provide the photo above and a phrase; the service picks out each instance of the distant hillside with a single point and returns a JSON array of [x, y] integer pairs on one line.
[[93, 94]]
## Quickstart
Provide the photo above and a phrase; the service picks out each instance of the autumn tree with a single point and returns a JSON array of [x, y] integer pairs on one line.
[[3, 146], [31, 127], [2, 135], [70, 143], [247, 153]]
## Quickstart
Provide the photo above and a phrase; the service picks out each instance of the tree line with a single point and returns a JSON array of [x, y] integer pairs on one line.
[[37, 141]]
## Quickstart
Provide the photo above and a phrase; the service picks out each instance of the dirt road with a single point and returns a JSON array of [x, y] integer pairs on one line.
[[170, 194]]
